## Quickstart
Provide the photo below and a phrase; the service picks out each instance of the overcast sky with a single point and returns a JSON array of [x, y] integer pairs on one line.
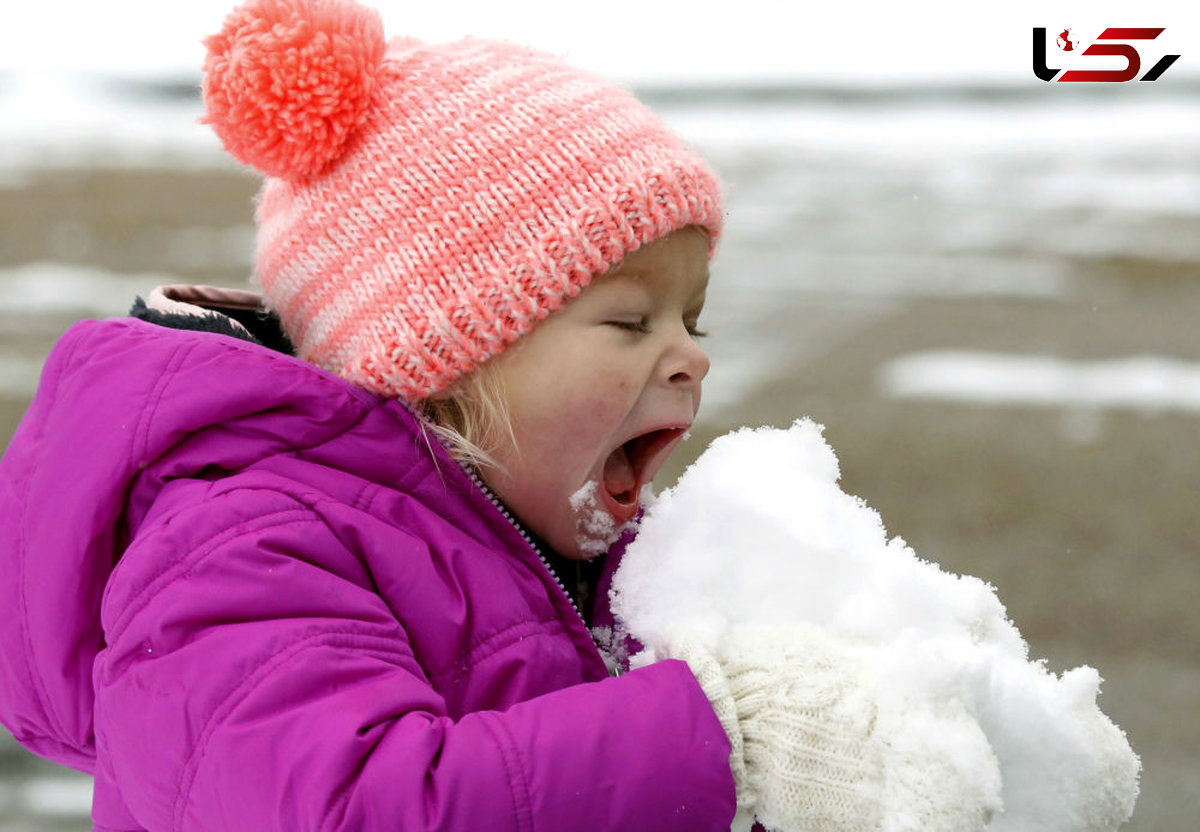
[[734, 40]]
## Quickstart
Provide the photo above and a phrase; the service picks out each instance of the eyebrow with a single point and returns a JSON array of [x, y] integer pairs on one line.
[[641, 275]]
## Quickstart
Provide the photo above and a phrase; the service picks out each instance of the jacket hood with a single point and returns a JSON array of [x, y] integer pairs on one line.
[[124, 407]]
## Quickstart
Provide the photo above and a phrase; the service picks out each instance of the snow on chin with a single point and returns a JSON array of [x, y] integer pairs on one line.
[[758, 532], [595, 529]]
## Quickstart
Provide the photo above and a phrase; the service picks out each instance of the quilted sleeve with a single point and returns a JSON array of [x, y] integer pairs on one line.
[[255, 682]]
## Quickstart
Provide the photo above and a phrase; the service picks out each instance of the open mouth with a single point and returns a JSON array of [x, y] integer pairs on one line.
[[631, 466]]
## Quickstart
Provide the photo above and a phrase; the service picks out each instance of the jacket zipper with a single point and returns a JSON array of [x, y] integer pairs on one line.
[[512, 521]]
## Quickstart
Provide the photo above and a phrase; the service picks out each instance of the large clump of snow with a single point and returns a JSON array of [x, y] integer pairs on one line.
[[757, 534]]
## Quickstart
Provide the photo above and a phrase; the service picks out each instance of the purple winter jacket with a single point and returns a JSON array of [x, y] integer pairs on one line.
[[248, 595]]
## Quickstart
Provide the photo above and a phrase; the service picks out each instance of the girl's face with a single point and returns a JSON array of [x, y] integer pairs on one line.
[[600, 393]]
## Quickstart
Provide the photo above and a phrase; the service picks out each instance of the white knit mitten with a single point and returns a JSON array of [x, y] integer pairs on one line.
[[799, 709]]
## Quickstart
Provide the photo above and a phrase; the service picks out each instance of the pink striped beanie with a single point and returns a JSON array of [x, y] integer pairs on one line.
[[426, 205]]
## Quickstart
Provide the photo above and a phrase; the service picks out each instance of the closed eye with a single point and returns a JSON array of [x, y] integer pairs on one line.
[[639, 326]]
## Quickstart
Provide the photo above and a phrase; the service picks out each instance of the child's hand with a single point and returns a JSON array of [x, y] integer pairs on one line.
[[812, 750]]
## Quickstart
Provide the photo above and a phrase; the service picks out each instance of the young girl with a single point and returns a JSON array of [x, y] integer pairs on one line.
[[333, 565]]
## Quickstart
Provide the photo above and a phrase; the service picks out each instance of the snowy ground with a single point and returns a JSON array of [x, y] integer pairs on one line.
[[1049, 246]]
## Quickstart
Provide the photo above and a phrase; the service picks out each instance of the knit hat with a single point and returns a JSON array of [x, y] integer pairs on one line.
[[427, 205]]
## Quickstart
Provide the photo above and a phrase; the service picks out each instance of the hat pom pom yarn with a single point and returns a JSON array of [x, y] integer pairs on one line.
[[286, 82]]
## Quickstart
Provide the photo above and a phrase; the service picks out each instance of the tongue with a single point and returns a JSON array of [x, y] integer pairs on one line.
[[619, 478]]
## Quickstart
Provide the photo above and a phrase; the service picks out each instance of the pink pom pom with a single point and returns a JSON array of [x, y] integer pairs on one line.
[[287, 81]]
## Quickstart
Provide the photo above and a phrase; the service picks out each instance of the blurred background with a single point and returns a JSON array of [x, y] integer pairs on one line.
[[986, 286]]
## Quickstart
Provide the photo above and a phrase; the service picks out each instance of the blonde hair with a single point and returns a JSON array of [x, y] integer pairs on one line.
[[471, 418]]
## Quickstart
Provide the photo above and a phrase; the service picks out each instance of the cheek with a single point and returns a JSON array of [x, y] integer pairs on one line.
[[574, 419], [566, 394], [602, 396], [577, 420]]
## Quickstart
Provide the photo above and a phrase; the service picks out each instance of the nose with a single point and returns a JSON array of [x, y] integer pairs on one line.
[[686, 363]]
